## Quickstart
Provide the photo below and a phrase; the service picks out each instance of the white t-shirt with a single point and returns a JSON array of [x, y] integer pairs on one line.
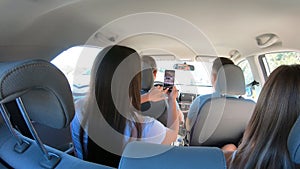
[[153, 131], [96, 127]]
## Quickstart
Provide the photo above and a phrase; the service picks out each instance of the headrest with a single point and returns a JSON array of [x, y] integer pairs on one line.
[[230, 80], [44, 89], [294, 142], [146, 155], [147, 79]]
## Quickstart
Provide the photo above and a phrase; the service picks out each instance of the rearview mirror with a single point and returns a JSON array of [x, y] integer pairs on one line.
[[184, 66]]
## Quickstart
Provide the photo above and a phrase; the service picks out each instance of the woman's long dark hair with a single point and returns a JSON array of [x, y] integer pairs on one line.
[[264, 145], [109, 59]]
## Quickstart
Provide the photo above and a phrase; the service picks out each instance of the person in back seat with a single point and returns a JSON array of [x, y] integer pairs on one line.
[[107, 118], [264, 144], [200, 100]]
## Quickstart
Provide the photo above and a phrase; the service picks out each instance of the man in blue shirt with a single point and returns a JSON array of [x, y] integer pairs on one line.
[[200, 100]]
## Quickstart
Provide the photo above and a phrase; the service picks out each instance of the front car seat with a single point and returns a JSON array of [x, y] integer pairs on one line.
[[43, 95], [222, 120], [157, 110], [147, 156]]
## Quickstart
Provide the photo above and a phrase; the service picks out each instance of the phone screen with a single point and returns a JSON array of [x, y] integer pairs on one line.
[[169, 78]]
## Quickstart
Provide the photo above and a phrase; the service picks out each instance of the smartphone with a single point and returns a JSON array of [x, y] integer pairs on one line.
[[169, 79]]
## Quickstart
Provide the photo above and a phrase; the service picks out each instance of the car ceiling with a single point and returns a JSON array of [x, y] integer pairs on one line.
[[185, 29]]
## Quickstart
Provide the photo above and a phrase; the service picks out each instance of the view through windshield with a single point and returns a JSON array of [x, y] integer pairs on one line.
[[76, 64], [197, 81]]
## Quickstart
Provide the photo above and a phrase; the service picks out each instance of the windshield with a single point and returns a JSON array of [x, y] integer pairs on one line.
[[76, 64], [197, 81]]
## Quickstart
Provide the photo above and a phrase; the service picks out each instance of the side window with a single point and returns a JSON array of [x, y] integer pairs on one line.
[[251, 92], [245, 66], [76, 63], [273, 60]]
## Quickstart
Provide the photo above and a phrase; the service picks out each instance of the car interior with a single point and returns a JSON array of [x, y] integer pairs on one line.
[[47, 49]]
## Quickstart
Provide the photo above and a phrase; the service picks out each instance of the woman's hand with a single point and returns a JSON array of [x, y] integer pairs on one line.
[[155, 94], [172, 96], [229, 147]]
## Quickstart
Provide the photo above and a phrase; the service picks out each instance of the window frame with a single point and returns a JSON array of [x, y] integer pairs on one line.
[[262, 65], [263, 61], [67, 54], [245, 60]]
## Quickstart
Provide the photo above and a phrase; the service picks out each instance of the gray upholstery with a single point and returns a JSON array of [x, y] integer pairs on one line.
[[139, 155], [48, 100], [57, 138], [230, 80], [222, 120], [156, 110], [43, 88], [147, 79], [32, 156], [294, 142]]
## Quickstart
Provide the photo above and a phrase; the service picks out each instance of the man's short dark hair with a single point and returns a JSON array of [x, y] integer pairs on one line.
[[219, 62]]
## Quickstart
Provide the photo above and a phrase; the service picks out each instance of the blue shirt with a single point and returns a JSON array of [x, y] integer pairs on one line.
[[152, 131], [196, 105]]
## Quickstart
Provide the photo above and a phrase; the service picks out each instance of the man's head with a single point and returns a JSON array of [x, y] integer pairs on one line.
[[149, 62], [217, 64]]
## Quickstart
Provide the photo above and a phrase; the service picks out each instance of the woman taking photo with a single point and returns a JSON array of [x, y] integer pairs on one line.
[[108, 117]]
